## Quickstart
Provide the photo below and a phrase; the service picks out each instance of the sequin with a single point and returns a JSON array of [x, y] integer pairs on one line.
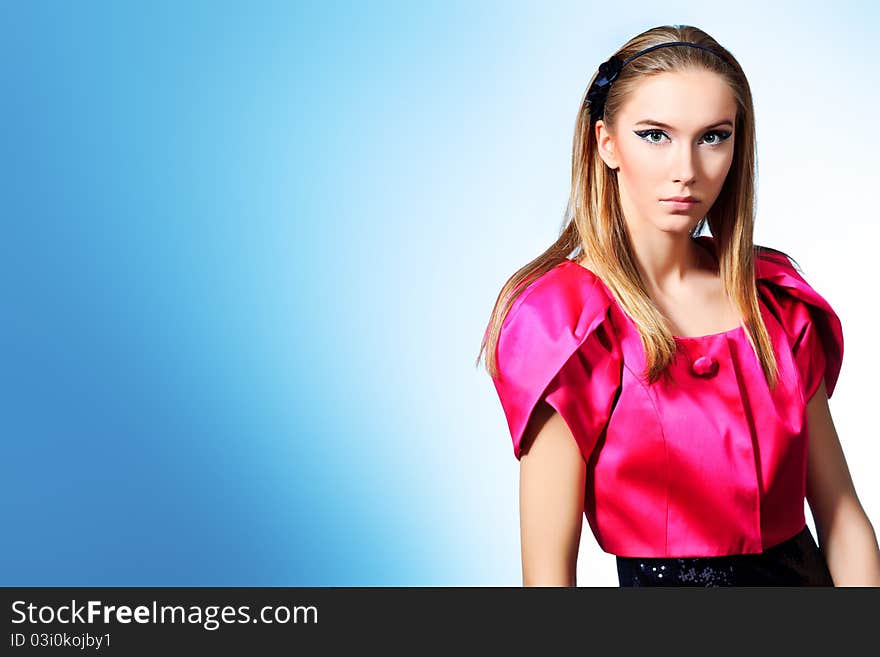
[[797, 561]]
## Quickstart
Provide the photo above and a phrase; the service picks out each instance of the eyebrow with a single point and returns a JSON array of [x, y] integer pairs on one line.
[[669, 127]]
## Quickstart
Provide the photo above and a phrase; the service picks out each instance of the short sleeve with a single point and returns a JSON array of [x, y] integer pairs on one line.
[[557, 345], [813, 362], [813, 327]]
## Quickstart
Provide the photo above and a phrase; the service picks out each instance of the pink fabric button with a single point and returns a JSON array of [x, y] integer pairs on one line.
[[705, 366]]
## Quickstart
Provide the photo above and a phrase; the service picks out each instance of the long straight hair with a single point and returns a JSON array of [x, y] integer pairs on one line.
[[594, 224]]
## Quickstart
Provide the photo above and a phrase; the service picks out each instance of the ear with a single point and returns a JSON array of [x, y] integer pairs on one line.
[[605, 145]]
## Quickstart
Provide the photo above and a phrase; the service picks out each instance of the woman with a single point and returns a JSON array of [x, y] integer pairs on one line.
[[671, 386]]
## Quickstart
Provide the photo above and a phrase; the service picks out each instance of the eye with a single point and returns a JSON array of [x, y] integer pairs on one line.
[[720, 136], [716, 136], [647, 134]]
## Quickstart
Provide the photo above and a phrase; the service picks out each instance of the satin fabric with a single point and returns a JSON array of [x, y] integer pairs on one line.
[[707, 461]]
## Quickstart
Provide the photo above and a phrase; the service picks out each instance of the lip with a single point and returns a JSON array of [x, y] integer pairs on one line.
[[681, 199], [679, 206]]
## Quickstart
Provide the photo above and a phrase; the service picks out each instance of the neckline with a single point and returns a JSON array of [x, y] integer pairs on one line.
[[680, 338], [683, 338]]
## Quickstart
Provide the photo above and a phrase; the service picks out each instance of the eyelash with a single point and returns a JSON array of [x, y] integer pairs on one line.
[[722, 134]]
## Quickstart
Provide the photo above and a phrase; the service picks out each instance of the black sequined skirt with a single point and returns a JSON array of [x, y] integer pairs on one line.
[[797, 561]]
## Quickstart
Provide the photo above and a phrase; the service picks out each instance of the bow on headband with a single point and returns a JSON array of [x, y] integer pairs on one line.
[[608, 72]]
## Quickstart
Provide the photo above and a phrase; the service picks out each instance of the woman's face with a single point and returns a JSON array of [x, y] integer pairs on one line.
[[688, 156]]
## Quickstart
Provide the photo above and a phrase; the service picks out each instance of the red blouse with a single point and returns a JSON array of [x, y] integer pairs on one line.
[[706, 462]]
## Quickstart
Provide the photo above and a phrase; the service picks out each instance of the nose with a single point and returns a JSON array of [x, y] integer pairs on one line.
[[684, 164]]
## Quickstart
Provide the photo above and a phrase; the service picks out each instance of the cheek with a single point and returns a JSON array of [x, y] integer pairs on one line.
[[718, 168], [644, 179], [642, 169]]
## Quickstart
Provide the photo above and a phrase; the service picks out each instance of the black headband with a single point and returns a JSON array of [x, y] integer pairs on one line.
[[609, 70]]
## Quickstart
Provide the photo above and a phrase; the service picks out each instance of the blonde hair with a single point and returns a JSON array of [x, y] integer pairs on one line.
[[594, 225]]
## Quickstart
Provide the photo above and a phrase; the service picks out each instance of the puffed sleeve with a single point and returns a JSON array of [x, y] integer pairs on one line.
[[813, 328], [556, 344]]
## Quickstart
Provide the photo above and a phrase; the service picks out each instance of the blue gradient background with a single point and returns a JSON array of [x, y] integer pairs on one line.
[[250, 249]]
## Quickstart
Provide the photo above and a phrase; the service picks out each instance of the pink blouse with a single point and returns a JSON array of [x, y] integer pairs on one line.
[[706, 462]]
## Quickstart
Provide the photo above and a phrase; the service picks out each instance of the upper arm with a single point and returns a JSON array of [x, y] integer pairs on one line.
[[552, 486], [829, 483]]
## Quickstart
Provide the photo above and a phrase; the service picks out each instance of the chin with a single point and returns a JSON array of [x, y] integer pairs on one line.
[[676, 223]]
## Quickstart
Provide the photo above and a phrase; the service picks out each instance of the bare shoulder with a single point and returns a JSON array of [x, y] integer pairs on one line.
[[585, 263]]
